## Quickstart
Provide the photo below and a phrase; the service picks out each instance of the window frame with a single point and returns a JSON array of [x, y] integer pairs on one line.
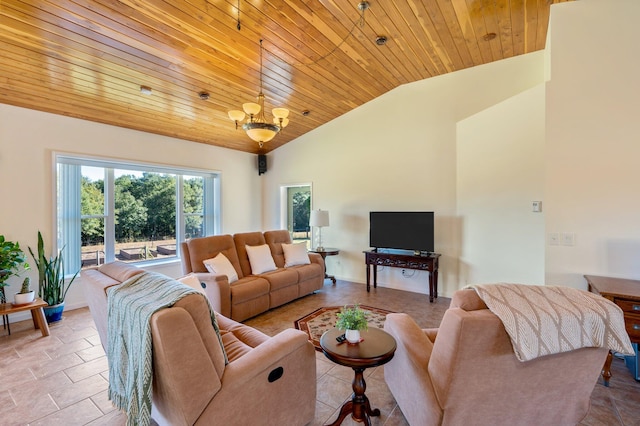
[[211, 203]]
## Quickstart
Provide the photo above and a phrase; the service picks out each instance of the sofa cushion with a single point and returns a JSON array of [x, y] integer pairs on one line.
[[221, 265], [260, 259], [308, 272], [295, 254], [275, 239], [233, 346], [248, 288], [242, 240], [197, 250], [281, 278]]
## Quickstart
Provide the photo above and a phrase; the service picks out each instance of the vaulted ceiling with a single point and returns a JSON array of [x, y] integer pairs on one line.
[[89, 58]]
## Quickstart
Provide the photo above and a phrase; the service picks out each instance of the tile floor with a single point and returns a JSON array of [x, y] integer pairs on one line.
[[62, 379]]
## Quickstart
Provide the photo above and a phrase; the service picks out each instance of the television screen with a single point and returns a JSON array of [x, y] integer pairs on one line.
[[401, 230]]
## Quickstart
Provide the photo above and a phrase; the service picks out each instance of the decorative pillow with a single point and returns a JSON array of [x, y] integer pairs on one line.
[[192, 281], [260, 259], [295, 254], [220, 265]]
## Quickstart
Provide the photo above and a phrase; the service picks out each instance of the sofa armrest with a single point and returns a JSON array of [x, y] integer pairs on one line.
[[411, 337], [289, 346], [316, 258], [217, 291], [407, 375]]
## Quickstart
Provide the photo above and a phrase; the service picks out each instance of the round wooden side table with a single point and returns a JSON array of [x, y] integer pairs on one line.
[[376, 348], [327, 251]]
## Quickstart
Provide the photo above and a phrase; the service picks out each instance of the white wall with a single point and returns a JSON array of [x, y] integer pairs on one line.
[[397, 152], [29, 138], [500, 172], [592, 104]]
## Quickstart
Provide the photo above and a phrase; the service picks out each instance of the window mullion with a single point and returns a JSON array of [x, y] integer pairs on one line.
[[180, 220], [110, 217]]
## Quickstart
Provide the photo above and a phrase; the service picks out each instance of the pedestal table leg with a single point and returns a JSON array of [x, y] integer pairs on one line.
[[359, 406]]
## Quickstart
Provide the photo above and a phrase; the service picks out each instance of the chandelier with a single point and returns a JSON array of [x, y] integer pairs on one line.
[[257, 126]]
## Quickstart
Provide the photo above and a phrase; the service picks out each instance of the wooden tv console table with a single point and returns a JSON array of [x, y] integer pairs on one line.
[[406, 261]]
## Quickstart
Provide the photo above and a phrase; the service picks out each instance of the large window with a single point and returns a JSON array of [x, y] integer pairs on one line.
[[132, 212]]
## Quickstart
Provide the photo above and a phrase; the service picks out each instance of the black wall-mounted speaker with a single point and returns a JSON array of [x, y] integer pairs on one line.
[[262, 164]]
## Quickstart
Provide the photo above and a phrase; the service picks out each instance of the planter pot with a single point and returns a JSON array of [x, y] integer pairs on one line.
[[24, 298], [353, 336], [53, 313]]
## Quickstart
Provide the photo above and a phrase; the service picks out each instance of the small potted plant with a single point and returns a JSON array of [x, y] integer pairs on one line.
[[12, 262], [352, 319], [25, 295]]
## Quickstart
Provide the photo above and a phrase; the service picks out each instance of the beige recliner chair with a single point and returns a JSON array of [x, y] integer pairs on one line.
[[466, 373], [268, 380]]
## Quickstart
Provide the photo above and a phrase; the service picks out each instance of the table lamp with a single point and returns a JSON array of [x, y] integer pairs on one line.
[[319, 218]]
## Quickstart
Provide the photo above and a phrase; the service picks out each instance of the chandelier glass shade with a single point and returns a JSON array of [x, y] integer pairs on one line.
[[257, 126]]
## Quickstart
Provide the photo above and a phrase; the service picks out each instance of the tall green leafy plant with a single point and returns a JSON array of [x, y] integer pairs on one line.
[[12, 261], [52, 287]]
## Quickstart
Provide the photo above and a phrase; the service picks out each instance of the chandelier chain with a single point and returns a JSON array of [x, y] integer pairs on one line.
[[238, 21], [261, 52], [362, 6]]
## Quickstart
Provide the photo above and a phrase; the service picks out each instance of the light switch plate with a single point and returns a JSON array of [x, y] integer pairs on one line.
[[568, 238]]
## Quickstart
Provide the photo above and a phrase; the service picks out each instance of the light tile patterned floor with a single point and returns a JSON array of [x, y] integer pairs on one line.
[[62, 379]]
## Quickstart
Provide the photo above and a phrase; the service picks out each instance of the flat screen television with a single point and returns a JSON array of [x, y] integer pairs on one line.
[[401, 230]]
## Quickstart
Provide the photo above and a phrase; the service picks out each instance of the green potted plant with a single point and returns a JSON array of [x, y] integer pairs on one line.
[[12, 262], [352, 319], [52, 287], [25, 295]]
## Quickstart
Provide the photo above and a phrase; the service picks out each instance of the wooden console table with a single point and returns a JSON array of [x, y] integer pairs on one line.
[[626, 294], [406, 261]]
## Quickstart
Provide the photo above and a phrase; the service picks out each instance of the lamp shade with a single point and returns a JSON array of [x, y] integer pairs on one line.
[[319, 218]]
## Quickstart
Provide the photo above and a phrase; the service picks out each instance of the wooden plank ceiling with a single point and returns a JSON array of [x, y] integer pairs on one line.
[[88, 58]]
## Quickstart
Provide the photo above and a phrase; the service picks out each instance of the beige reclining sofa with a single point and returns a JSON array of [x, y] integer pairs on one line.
[[251, 294], [268, 380]]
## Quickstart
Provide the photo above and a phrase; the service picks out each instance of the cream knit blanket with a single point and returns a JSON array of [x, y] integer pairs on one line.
[[544, 320]]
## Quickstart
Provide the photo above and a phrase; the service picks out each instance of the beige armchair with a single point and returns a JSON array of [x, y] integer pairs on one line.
[[270, 378], [466, 373]]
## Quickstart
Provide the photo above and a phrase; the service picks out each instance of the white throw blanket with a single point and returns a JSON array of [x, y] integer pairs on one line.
[[129, 350], [544, 320]]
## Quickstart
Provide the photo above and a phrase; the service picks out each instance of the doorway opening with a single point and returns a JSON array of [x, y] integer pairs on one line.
[[296, 207]]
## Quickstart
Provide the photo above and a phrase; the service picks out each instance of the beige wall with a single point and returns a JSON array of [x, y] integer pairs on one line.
[[592, 186], [500, 173], [397, 152], [29, 138]]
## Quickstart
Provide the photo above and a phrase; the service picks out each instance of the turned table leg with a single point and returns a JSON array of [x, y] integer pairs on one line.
[[359, 406]]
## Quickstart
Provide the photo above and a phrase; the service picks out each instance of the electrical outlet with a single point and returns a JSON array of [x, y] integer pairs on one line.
[[537, 206]]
